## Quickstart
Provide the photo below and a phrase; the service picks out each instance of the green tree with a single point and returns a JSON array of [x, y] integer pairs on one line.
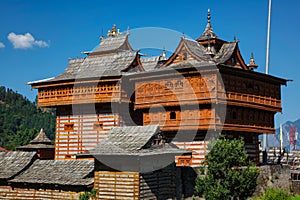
[[229, 173]]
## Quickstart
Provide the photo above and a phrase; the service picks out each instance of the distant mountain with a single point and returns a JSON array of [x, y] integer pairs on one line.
[[274, 140], [21, 120]]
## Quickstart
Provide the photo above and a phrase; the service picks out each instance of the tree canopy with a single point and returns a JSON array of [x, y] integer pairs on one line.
[[21, 120], [229, 173]]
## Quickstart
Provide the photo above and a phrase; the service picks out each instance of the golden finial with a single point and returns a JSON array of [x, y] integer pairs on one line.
[[114, 31]]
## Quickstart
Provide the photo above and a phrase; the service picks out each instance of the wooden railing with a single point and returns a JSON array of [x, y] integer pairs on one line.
[[251, 99], [173, 99], [74, 95]]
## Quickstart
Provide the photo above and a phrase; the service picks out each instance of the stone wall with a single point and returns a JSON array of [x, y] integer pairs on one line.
[[295, 187], [277, 176]]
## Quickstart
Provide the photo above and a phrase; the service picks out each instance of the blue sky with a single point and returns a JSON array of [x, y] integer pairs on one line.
[[37, 37]]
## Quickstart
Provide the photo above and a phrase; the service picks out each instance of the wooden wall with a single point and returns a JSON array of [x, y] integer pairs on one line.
[[160, 184], [173, 118], [81, 131], [46, 154], [251, 92], [7, 192], [117, 185], [247, 119], [237, 118], [199, 151]]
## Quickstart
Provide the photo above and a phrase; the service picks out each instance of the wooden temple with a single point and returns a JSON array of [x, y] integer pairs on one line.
[[202, 90], [134, 127]]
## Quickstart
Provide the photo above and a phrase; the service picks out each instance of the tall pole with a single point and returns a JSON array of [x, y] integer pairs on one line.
[[267, 59], [268, 38]]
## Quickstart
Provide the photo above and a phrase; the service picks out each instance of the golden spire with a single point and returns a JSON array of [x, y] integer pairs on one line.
[[114, 31]]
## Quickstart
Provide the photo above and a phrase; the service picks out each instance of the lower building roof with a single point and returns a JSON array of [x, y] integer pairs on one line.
[[134, 148], [12, 163], [58, 172]]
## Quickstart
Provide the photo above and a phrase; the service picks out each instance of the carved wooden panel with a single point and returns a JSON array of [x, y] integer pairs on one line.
[[176, 91], [183, 56]]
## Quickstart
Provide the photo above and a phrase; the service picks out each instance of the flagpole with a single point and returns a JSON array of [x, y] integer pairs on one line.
[[281, 139], [267, 59], [268, 38]]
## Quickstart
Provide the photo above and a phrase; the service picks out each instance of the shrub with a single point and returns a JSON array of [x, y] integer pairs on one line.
[[229, 173], [275, 193], [84, 196]]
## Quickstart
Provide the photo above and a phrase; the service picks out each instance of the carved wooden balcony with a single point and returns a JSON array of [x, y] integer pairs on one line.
[[79, 95]]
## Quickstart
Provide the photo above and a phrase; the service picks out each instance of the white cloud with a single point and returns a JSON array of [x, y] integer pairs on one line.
[[1, 45], [41, 43], [25, 41]]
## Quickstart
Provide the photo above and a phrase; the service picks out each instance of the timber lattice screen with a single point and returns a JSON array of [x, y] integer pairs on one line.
[[7, 192], [117, 185], [85, 132]]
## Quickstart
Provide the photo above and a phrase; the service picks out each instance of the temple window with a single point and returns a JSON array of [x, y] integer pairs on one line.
[[98, 126], [69, 126], [172, 115]]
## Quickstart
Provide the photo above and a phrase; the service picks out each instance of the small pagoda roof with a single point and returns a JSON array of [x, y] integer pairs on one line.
[[41, 141], [13, 163], [58, 172], [41, 138]]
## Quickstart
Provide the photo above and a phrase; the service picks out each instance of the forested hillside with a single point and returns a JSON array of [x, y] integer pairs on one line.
[[21, 120]]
